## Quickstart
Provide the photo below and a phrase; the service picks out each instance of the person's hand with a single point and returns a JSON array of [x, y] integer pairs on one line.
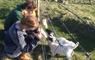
[[25, 13], [25, 56], [38, 35]]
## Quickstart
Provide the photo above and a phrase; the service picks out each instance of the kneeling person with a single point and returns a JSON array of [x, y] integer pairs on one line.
[[22, 37]]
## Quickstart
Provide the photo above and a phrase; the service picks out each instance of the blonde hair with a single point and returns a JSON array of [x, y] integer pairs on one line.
[[30, 21]]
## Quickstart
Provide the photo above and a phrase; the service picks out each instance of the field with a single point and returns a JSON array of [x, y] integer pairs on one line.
[[74, 21]]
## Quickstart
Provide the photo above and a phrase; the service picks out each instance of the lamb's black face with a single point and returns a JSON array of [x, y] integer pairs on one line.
[[50, 35], [50, 39], [48, 31]]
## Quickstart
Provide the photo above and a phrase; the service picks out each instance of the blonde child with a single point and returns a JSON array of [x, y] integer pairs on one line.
[[22, 37], [30, 10]]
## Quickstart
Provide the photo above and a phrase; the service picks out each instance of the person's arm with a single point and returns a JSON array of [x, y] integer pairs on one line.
[[21, 39], [43, 33], [17, 36], [40, 34]]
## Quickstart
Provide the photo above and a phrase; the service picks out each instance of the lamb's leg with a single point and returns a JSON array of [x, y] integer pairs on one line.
[[68, 58], [69, 54]]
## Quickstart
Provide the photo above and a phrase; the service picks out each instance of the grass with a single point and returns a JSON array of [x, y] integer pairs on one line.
[[93, 54], [1, 25], [83, 11], [81, 25], [82, 31]]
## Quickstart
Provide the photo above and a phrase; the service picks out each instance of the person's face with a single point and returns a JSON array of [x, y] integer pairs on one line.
[[32, 23]]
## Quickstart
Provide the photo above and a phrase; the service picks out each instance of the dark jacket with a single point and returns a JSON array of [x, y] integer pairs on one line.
[[14, 16], [17, 41]]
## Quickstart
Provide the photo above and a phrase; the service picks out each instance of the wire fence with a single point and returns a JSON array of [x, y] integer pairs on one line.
[[81, 1], [74, 1]]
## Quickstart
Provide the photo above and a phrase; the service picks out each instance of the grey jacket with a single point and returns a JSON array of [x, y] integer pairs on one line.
[[14, 41]]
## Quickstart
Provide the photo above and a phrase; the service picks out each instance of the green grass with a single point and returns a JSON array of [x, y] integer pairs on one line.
[[83, 11], [93, 54], [81, 25], [1, 25], [82, 28]]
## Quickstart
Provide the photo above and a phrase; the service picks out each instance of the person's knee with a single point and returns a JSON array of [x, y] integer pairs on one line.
[[6, 58]]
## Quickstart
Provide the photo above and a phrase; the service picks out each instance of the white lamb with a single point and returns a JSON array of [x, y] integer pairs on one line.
[[61, 46]]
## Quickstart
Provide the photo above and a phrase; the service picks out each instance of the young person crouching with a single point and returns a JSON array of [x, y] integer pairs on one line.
[[22, 37]]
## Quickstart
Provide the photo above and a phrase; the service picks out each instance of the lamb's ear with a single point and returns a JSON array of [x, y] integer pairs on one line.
[[76, 45]]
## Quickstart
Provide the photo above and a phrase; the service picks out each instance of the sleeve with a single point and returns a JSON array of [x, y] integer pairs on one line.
[[21, 39], [14, 16], [43, 33]]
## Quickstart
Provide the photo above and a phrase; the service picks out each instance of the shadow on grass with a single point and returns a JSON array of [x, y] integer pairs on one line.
[[84, 32], [1, 41], [4, 12]]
